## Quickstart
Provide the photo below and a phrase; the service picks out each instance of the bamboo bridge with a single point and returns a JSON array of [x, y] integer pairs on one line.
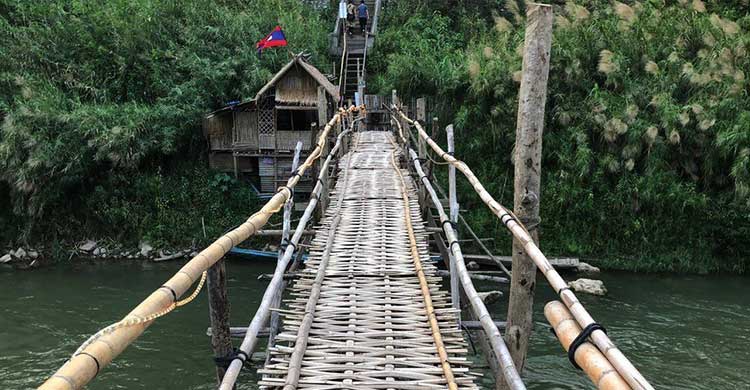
[[368, 309]]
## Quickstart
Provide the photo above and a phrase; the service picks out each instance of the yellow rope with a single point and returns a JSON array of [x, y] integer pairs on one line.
[[125, 322], [436, 335]]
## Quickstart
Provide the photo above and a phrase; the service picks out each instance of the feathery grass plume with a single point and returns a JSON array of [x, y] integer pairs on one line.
[[698, 6], [696, 108], [709, 39], [715, 20], [600, 118], [517, 76], [562, 22], [651, 67], [624, 11], [650, 135], [606, 63], [740, 51], [502, 25], [487, 52], [614, 128], [631, 151], [674, 137], [739, 76], [474, 69], [706, 124], [687, 69], [26, 92], [631, 112], [673, 57], [682, 2], [612, 165], [684, 118], [729, 27], [702, 53], [629, 164], [512, 7], [679, 42], [578, 12], [726, 55]]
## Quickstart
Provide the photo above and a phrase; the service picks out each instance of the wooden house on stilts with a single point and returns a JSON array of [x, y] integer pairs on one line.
[[255, 139]]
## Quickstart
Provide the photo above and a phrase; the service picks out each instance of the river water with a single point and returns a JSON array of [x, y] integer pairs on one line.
[[683, 332]]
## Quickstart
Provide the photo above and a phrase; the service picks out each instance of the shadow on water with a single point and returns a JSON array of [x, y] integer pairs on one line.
[[683, 332]]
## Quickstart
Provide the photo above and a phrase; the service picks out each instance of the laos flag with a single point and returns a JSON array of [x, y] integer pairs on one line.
[[274, 39]]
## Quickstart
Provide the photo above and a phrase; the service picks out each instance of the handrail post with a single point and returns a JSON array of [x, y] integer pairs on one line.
[[218, 310], [274, 323], [528, 158], [453, 199]]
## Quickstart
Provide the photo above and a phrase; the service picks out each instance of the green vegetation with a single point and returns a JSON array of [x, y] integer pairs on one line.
[[647, 145], [101, 105], [646, 151]]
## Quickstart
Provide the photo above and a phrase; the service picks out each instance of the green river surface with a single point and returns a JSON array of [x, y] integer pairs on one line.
[[682, 331]]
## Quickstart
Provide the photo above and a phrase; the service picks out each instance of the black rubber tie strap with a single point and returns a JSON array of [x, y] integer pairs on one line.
[[174, 294], [448, 221], [562, 289], [451, 245], [95, 361], [580, 339], [241, 355]]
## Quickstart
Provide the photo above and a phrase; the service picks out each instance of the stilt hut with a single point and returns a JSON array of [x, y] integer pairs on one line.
[[255, 139]]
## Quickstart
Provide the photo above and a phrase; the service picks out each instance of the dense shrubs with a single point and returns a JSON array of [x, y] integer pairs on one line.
[[646, 154], [102, 96]]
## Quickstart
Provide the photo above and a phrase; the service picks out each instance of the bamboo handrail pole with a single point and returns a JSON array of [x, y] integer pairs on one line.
[[602, 341], [502, 354], [85, 365], [587, 356], [423, 284], [262, 313]]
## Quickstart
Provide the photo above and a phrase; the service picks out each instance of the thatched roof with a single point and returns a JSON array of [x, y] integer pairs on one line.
[[287, 93]]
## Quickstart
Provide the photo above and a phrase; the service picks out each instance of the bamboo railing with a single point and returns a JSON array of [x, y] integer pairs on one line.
[[98, 352], [558, 284], [262, 313], [495, 338]]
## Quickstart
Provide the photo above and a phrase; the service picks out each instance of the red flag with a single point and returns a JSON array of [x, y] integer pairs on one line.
[[274, 39]]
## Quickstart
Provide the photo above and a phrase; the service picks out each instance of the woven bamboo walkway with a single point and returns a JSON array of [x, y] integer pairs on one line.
[[370, 328]]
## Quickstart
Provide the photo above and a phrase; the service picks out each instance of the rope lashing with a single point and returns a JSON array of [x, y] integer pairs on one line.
[[580, 339]]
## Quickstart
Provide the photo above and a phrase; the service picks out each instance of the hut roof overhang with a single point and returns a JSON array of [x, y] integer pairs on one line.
[[289, 94]]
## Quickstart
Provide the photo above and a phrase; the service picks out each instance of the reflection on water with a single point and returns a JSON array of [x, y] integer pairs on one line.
[[683, 332]]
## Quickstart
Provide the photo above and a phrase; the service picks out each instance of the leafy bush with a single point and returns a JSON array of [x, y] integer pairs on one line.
[[98, 95], [646, 153]]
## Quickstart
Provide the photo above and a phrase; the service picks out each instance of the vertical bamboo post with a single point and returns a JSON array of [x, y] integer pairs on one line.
[[453, 201], [422, 150], [528, 156], [218, 311], [275, 320], [322, 116]]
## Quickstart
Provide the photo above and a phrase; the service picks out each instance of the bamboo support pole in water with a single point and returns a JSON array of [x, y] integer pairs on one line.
[[588, 357], [509, 372], [527, 178], [85, 365], [218, 309], [558, 284], [262, 313]]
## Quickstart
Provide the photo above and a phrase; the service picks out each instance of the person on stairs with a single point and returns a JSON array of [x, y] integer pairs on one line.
[[363, 14], [351, 11]]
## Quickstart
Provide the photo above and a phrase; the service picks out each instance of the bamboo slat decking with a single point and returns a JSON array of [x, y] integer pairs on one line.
[[370, 327]]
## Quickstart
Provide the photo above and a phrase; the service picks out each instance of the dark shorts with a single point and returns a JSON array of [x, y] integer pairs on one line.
[[363, 23]]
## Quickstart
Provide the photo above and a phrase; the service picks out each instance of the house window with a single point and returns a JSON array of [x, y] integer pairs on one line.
[[295, 120]]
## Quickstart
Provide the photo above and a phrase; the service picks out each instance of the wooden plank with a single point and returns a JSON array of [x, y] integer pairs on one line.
[[218, 308]]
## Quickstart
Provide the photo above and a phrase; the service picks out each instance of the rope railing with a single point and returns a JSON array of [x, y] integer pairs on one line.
[[558, 284], [262, 313], [100, 350]]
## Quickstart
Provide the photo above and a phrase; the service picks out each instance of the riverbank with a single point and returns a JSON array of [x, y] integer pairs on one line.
[[665, 323]]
